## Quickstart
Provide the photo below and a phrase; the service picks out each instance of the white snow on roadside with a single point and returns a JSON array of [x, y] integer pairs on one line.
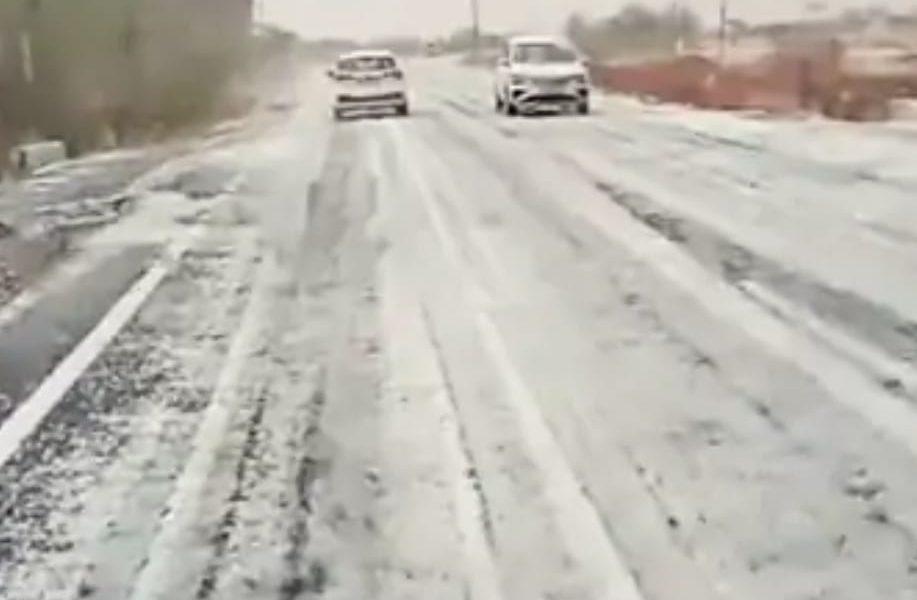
[[467, 368]]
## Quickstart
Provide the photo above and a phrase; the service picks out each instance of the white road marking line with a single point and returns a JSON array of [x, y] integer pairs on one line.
[[404, 320], [577, 517], [26, 419]]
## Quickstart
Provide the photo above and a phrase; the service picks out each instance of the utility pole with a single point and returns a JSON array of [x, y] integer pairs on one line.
[[475, 27], [678, 15], [29, 24], [724, 20], [125, 107], [28, 63]]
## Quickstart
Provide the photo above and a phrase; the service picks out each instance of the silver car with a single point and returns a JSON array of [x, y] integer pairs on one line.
[[368, 82], [540, 73]]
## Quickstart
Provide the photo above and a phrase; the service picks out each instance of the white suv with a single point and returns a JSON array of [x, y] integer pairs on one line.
[[369, 81], [537, 73]]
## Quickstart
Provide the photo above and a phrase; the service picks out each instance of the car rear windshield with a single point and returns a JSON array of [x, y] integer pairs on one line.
[[366, 63], [542, 53]]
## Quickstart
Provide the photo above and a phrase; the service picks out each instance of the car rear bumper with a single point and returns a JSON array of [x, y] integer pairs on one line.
[[357, 102]]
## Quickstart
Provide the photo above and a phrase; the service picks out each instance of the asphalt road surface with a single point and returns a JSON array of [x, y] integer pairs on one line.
[[645, 354]]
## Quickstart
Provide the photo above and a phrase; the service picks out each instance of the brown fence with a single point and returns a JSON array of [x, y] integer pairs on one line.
[[780, 83], [700, 82]]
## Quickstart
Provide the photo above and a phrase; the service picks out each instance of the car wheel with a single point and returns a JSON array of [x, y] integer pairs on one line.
[[512, 110], [403, 110], [583, 107], [498, 103], [338, 114]]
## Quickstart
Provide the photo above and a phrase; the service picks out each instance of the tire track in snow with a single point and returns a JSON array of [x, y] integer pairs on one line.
[[571, 194], [176, 555], [577, 518], [422, 416], [870, 320], [844, 381]]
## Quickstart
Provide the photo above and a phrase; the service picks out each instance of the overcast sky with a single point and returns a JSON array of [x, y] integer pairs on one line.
[[365, 18]]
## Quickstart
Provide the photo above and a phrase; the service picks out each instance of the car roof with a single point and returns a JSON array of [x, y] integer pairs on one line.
[[526, 40], [367, 54]]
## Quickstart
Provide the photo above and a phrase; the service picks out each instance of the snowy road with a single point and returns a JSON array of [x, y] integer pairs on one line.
[[646, 354]]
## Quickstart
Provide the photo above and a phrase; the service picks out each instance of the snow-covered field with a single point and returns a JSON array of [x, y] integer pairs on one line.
[[651, 353]]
